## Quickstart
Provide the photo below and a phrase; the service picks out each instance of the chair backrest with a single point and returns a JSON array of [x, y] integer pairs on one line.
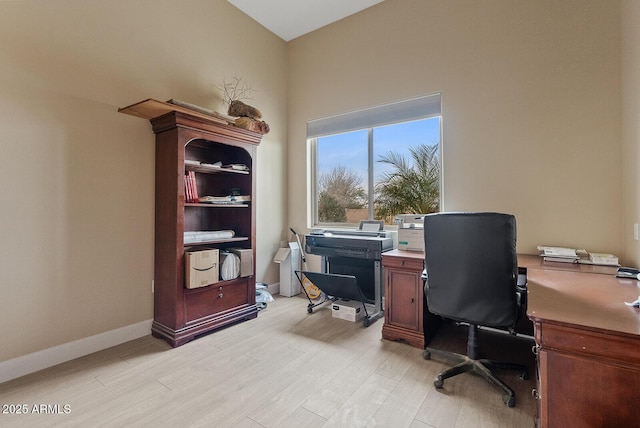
[[472, 267]]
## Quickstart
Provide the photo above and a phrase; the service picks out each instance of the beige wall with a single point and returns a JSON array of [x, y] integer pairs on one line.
[[77, 177], [631, 126], [530, 96], [535, 123]]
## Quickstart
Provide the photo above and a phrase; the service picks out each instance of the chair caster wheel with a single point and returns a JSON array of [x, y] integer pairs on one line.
[[509, 400], [438, 383], [426, 355], [367, 322], [310, 310]]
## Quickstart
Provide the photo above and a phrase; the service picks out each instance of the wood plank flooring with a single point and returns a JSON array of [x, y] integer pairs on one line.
[[286, 368]]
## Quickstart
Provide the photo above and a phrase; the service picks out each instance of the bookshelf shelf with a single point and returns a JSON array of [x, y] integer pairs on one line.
[[213, 170], [207, 205], [216, 241]]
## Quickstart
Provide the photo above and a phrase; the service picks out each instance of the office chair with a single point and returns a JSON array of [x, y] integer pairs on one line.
[[471, 269]]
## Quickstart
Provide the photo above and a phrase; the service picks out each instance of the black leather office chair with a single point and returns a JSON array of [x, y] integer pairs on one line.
[[472, 270]]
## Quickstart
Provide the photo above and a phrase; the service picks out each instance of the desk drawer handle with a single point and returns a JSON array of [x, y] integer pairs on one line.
[[535, 394], [413, 300], [535, 349]]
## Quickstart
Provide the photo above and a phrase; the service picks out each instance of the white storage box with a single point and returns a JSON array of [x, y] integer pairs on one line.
[[201, 268], [349, 310]]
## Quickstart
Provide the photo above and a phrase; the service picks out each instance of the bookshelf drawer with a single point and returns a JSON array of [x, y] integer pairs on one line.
[[215, 298]]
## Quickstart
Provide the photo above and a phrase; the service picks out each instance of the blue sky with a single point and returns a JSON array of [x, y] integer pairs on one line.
[[350, 149]]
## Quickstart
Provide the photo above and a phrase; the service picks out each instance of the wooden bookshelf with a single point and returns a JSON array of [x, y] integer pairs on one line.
[[181, 314]]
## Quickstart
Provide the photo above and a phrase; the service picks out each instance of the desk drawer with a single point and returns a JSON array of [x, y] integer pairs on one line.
[[606, 346], [405, 263]]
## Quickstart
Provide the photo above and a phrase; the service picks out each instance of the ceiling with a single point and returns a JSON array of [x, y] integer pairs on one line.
[[289, 19]]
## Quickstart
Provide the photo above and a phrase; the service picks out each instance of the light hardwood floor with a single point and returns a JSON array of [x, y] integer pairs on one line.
[[286, 368]]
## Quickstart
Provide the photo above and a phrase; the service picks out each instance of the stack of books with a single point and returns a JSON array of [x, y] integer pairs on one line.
[[190, 188], [559, 254], [572, 255], [603, 259]]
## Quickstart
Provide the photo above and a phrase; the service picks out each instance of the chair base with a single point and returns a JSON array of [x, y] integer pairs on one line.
[[481, 367]]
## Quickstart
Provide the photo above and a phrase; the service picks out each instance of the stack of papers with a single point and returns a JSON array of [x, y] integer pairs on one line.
[[559, 254], [202, 236], [231, 199], [572, 255]]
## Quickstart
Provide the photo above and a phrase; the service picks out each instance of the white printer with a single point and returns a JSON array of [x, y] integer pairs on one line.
[[410, 231]]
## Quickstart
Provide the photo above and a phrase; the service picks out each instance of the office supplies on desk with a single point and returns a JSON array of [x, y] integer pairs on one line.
[[635, 303], [627, 272], [572, 255], [410, 231]]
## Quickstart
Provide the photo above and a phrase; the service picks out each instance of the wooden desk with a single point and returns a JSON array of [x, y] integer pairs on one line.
[[587, 339], [588, 347]]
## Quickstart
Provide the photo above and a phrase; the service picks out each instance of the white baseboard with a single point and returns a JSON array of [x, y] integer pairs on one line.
[[274, 288], [30, 363]]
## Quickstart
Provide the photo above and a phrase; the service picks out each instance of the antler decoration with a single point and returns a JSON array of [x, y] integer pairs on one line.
[[235, 90]]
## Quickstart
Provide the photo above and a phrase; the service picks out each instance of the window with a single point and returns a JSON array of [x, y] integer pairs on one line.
[[376, 163]]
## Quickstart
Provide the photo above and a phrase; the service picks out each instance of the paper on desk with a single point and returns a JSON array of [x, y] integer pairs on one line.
[[370, 227]]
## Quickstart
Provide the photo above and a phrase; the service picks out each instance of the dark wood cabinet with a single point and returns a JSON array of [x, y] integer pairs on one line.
[[180, 314], [403, 317]]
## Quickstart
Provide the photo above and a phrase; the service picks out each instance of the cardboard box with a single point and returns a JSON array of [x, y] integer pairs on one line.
[[201, 268], [289, 261], [349, 310], [246, 260]]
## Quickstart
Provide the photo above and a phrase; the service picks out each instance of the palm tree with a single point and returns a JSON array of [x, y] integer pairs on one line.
[[412, 187]]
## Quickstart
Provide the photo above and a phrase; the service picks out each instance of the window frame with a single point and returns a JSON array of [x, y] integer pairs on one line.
[[376, 118]]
